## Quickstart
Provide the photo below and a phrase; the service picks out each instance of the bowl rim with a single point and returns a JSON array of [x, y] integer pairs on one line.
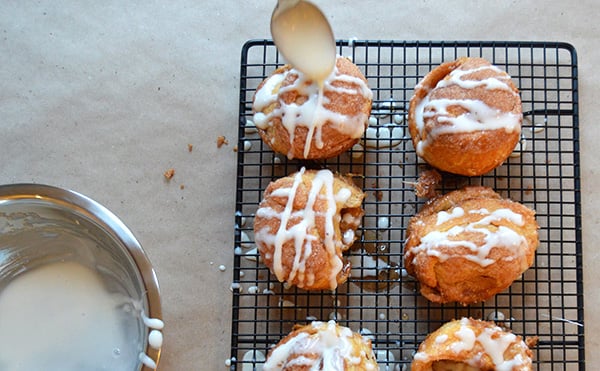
[[110, 223]]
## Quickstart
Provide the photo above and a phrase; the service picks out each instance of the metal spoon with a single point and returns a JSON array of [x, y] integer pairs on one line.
[[304, 37]]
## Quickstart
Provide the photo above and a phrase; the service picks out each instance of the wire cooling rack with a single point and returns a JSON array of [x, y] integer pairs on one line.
[[380, 300]]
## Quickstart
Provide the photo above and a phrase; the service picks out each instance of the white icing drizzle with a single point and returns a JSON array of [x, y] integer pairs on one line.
[[321, 187], [153, 323], [444, 216], [493, 342], [497, 82], [251, 254], [420, 356], [330, 344], [252, 355], [502, 237], [466, 335], [387, 357], [147, 361], [249, 128], [155, 337], [440, 339], [383, 222], [348, 236], [479, 115], [245, 240], [266, 96], [386, 136], [496, 346], [367, 334], [311, 114], [367, 265]]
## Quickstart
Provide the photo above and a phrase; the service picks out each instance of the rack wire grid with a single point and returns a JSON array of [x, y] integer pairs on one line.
[[380, 300]]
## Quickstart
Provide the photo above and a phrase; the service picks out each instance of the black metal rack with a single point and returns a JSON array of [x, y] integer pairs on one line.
[[379, 300]]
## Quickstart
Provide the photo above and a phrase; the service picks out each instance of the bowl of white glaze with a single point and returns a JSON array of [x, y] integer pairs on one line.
[[77, 291]]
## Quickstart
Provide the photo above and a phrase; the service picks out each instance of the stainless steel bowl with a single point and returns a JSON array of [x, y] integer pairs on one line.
[[41, 224]]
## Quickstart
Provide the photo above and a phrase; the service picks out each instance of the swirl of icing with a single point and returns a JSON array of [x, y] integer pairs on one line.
[[304, 223], [304, 110]]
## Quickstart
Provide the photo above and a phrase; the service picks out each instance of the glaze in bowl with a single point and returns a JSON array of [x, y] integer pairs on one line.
[[45, 226]]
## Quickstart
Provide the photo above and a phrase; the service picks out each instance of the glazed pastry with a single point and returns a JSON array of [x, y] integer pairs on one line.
[[465, 117], [304, 223], [296, 118], [322, 346], [472, 345], [470, 244]]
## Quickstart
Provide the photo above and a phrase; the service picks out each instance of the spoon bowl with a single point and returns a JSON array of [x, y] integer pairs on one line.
[[304, 37]]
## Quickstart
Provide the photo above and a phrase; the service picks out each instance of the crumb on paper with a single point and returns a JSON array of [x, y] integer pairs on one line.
[[181, 186], [190, 147], [169, 174], [221, 140], [427, 183], [235, 148]]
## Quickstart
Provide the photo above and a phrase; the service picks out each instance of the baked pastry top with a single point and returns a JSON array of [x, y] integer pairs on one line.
[[472, 345], [304, 223], [470, 244], [322, 346], [465, 117], [297, 118]]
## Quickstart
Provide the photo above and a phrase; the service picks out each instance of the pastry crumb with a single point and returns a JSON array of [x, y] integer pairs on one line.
[[427, 183], [377, 192], [532, 341], [235, 148], [169, 174], [378, 195], [190, 147], [181, 186], [529, 190], [221, 140]]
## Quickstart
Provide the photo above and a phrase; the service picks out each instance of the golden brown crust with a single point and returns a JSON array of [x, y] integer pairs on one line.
[[454, 260], [465, 153], [276, 135], [312, 272], [492, 348], [354, 351]]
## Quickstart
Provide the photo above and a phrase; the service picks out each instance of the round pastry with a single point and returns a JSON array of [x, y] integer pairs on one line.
[[465, 117], [304, 223], [322, 346], [470, 244], [472, 345], [298, 119]]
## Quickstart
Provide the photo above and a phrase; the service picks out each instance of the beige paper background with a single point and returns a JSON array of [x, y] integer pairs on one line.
[[103, 97]]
